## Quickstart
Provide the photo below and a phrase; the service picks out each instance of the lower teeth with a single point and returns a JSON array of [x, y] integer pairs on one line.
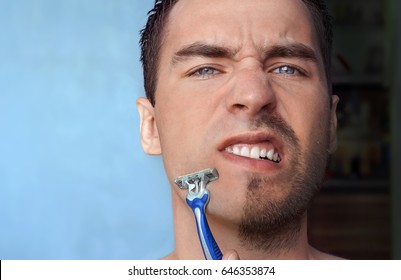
[[265, 158]]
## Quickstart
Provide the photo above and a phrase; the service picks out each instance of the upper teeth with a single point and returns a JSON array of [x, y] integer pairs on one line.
[[254, 152]]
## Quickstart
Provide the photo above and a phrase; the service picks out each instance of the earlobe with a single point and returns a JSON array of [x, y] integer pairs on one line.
[[150, 140], [333, 124]]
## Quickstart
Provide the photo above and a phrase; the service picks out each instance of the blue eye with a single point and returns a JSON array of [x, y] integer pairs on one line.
[[205, 72], [286, 70]]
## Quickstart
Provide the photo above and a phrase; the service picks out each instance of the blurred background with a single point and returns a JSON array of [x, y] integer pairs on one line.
[[74, 183], [357, 215]]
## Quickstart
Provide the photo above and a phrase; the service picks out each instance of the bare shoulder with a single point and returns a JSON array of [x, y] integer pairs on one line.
[[319, 255]]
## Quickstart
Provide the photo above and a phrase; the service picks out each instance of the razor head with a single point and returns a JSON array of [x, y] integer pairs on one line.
[[203, 177]]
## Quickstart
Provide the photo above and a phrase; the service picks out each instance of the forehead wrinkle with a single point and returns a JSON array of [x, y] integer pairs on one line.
[[242, 43]]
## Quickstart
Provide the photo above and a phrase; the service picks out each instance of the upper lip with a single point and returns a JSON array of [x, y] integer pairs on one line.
[[253, 138]]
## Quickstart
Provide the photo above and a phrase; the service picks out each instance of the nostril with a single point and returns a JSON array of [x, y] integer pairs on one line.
[[267, 107], [240, 106]]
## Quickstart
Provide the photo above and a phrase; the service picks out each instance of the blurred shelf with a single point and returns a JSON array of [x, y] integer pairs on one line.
[[382, 185], [371, 81], [352, 225]]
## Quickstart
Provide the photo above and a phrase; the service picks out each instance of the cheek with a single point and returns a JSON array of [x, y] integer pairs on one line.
[[182, 127], [308, 115], [174, 134], [314, 127]]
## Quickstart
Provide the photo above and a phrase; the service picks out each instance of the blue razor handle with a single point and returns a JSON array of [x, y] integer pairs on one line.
[[209, 246], [197, 199]]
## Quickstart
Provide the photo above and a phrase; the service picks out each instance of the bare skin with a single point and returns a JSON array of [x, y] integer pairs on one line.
[[208, 102]]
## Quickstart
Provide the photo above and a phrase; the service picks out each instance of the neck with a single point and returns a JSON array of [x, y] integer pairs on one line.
[[226, 234]]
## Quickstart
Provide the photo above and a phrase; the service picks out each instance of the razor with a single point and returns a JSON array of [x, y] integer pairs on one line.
[[197, 199]]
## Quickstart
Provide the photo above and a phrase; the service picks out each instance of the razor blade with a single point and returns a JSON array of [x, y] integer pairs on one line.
[[197, 180]]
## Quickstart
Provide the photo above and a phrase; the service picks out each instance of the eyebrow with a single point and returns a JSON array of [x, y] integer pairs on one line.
[[291, 50], [199, 49]]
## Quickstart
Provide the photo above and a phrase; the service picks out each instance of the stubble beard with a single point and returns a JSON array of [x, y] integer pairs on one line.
[[271, 224]]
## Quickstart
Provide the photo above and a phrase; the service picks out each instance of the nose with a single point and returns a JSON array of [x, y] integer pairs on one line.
[[251, 92]]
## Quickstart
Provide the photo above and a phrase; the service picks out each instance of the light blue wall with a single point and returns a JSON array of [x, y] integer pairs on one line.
[[74, 182]]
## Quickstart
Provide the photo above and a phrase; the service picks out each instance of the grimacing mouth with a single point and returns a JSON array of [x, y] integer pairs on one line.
[[261, 146], [258, 151]]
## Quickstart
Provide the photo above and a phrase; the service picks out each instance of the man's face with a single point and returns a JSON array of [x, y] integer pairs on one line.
[[241, 87]]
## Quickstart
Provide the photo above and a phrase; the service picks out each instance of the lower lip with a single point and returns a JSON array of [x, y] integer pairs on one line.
[[253, 165]]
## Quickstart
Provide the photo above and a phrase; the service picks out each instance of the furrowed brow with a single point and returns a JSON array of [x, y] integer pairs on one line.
[[199, 49], [295, 50]]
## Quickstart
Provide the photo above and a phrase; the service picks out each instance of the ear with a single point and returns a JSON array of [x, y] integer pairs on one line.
[[333, 124], [150, 140]]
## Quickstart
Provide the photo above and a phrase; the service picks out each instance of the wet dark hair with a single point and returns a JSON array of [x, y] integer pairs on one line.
[[152, 38]]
